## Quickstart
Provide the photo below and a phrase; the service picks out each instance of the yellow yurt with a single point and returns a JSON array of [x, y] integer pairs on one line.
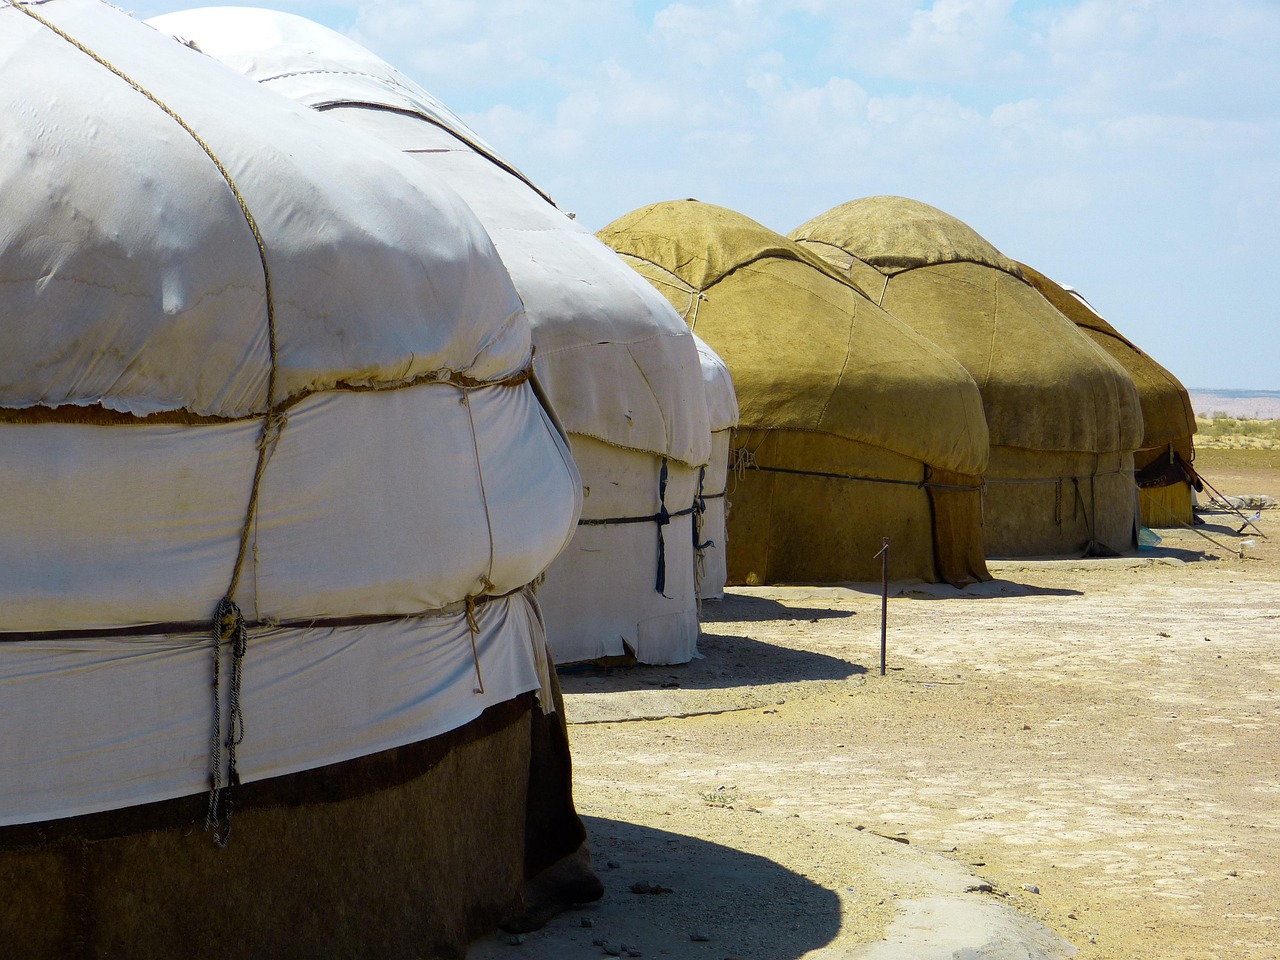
[[1162, 465], [1064, 417], [852, 428]]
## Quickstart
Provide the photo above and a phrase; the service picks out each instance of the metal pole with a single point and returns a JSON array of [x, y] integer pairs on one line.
[[884, 602]]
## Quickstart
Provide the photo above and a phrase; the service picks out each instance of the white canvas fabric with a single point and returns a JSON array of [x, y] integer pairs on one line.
[[722, 410], [620, 367], [374, 502], [100, 211], [99, 723], [602, 597], [617, 361], [411, 484]]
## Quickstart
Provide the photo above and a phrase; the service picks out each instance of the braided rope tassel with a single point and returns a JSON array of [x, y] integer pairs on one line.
[[228, 626]]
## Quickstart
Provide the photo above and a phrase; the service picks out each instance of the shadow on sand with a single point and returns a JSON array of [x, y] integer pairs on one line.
[[706, 889], [743, 608], [728, 661], [986, 590], [748, 608]]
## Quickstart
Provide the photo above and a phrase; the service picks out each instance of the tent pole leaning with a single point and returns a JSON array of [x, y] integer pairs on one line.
[[1236, 510]]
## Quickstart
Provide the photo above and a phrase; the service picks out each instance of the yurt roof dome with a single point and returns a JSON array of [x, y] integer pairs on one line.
[[806, 349], [161, 291], [1045, 384], [894, 234]]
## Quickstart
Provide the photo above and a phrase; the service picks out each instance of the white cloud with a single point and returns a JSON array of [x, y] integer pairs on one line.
[[1018, 114], [489, 45], [1103, 26], [953, 38], [1110, 140]]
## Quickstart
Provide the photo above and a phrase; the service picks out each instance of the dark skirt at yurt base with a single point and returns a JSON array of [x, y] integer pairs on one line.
[[411, 852]]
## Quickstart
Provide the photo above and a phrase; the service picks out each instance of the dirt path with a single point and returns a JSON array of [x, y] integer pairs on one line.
[[1105, 732]]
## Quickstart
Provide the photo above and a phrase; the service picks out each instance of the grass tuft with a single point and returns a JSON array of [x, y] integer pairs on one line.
[[1222, 432]]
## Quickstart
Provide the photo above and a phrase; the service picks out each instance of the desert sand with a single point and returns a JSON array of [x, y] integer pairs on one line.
[[1078, 758]]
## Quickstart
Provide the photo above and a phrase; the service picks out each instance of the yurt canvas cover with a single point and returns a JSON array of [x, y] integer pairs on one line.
[[852, 427], [1064, 417], [621, 370], [275, 486], [722, 412], [1162, 465]]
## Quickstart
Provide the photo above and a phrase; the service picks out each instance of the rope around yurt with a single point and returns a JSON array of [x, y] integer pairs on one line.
[[229, 628], [743, 460], [228, 620]]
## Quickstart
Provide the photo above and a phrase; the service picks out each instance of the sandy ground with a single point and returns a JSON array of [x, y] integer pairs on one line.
[[1078, 758]]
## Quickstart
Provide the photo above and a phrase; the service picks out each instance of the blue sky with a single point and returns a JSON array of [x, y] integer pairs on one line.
[[1130, 149]]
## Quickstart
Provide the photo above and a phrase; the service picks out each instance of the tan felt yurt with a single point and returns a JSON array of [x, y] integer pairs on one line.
[[1162, 465], [852, 427], [621, 371], [276, 486], [1064, 417]]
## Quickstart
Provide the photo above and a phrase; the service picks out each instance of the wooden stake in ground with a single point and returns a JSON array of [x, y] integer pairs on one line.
[[884, 601]]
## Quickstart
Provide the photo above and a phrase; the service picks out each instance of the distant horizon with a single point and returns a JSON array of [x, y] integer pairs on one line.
[[1241, 404], [1234, 392]]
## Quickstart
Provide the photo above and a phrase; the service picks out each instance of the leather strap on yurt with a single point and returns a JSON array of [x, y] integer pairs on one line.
[[743, 460], [699, 510], [662, 518], [700, 545]]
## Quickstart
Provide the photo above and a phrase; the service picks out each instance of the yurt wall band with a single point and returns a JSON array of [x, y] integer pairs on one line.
[[635, 597], [662, 519]]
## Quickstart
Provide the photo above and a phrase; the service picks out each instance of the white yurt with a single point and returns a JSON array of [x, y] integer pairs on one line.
[[712, 532], [620, 368], [276, 487]]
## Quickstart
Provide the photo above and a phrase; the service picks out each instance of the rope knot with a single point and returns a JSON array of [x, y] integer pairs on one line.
[[273, 425], [473, 629], [228, 624], [741, 460]]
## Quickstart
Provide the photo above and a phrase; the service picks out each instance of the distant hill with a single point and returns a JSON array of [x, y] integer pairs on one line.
[[1255, 404]]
